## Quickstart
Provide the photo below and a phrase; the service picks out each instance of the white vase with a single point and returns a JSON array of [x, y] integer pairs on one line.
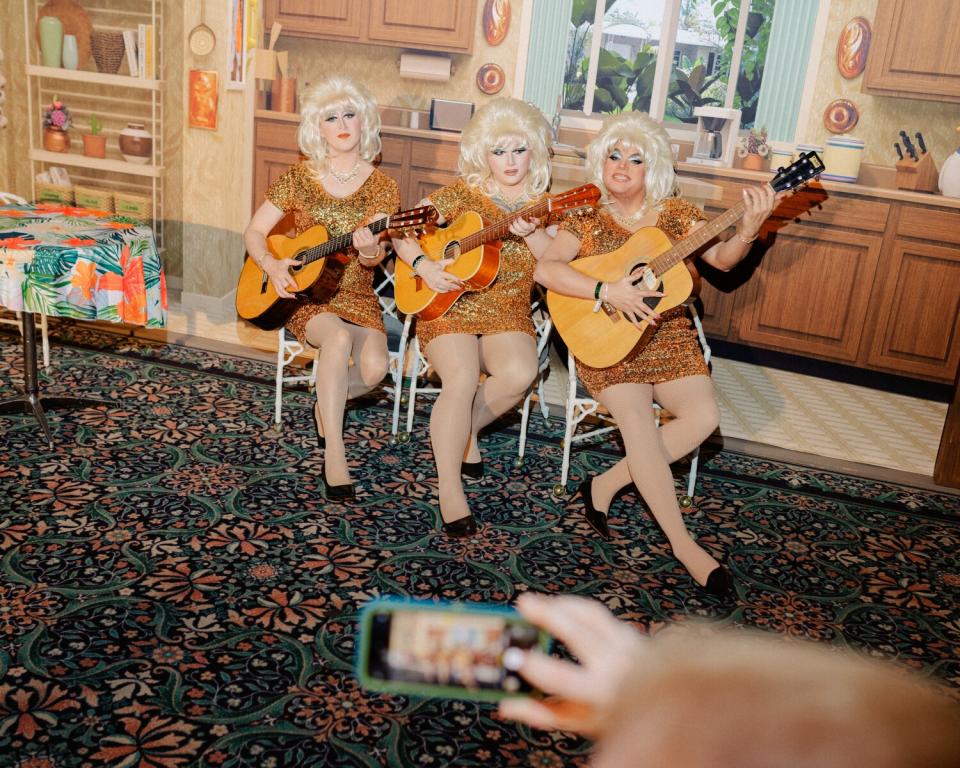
[[950, 176], [70, 55]]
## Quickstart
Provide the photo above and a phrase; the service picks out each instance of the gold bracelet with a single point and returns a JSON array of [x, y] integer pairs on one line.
[[744, 240]]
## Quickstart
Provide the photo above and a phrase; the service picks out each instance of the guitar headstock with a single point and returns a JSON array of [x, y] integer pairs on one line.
[[413, 220], [584, 196], [802, 171]]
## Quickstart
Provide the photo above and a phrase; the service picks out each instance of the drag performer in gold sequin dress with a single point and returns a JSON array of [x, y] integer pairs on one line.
[[339, 188], [630, 160], [505, 165]]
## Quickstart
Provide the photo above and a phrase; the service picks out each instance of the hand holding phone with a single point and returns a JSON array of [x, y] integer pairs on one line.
[[454, 650]]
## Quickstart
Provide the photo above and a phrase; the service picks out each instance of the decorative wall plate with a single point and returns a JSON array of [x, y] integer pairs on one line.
[[496, 20], [840, 116], [852, 47], [490, 78]]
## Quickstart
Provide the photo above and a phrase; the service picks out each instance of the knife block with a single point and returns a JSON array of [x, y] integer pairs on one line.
[[917, 175]]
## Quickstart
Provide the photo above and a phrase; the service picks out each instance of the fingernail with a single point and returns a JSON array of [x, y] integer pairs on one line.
[[513, 659]]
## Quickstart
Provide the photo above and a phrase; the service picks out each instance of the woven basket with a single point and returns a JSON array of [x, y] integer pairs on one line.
[[54, 193], [107, 50], [93, 197], [133, 205]]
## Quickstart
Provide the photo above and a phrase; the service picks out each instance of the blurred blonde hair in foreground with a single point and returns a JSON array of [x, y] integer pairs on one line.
[[699, 698]]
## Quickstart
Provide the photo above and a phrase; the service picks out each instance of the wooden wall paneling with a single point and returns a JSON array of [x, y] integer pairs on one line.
[[918, 318], [915, 51], [325, 19], [441, 25], [810, 292]]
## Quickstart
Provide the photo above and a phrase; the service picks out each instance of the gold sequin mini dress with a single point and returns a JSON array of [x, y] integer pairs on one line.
[[674, 350], [298, 191], [505, 305]]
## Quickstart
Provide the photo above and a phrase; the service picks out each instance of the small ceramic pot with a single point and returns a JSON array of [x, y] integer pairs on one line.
[[71, 57], [136, 144], [94, 146], [752, 162], [55, 140]]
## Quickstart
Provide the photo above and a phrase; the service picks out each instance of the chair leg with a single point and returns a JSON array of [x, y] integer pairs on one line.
[[524, 421], [45, 341], [397, 389], [414, 380], [278, 391], [692, 479]]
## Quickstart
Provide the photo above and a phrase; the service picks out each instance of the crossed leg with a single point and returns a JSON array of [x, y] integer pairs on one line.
[[462, 409], [338, 380], [648, 454]]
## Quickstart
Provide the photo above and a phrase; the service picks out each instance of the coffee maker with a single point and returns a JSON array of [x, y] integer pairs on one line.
[[716, 136]]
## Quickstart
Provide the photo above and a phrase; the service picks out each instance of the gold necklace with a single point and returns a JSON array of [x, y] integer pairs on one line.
[[630, 221], [343, 178]]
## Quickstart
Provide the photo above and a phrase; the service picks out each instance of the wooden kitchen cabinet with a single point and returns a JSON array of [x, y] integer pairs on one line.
[[432, 25], [918, 297], [276, 150], [915, 52]]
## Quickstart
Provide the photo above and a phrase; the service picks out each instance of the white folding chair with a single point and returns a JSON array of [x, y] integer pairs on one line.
[[579, 405], [288, 349], [8, 198], [421, 369], [543, 326]]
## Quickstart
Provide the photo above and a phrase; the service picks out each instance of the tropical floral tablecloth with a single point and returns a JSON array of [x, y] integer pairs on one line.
[[80, 263]]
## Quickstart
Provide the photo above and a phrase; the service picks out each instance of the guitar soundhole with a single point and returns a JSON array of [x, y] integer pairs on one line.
[[298, 258]]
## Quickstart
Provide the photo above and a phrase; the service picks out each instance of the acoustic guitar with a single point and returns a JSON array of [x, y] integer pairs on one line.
[[474, 244], [320, 265], [601, 339]]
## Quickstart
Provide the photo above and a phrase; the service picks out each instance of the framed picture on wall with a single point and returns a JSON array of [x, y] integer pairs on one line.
[[204, 87], [237, 45]]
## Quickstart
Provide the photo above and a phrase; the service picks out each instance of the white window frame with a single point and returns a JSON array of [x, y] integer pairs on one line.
[[585, 118]]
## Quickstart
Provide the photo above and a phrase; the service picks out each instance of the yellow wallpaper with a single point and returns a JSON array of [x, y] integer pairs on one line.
[[881, 117], [377, 66]]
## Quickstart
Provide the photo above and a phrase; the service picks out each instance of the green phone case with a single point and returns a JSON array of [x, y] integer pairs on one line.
[[432, 690]]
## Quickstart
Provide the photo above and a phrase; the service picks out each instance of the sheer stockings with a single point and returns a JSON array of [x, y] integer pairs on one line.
[[649, 452], [338, 380], [462, 409]]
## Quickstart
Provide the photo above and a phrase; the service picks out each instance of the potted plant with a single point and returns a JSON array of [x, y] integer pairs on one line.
[[754, 149], [56, 121], [95, 143]]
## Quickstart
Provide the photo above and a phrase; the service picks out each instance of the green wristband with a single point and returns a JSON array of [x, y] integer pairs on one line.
[[596, 291], [413, 264]]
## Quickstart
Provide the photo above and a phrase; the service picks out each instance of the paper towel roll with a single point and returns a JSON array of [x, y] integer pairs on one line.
[[422, 66]]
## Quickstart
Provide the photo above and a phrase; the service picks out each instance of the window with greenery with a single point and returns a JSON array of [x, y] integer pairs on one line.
[[714, 55]]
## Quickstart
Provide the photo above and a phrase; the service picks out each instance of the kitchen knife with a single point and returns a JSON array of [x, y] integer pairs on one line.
[[896, 146], [908, 145], [923, 147]]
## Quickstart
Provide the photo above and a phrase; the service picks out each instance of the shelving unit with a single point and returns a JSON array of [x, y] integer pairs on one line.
[[116, 99]]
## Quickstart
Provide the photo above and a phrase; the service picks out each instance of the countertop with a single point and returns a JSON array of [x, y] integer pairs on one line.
[[568, 164]]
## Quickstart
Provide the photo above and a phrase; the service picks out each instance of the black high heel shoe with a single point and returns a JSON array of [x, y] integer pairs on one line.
[[340, 492], [461, 527], [596, 518], [321, 440], [719, 582], [472, 469]]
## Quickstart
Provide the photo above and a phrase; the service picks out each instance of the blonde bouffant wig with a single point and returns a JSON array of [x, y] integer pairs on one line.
[[334, 94], [496, 125], [639, 131]]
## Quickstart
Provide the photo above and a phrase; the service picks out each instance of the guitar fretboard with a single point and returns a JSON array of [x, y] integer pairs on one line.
[[501, 227], [339, 243], [696, 240]]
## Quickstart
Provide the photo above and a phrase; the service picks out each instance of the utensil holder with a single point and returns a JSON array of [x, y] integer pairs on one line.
[[283, 95], [917, 175]]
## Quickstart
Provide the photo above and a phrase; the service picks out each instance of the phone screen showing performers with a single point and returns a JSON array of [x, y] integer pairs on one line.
[[452, 650]]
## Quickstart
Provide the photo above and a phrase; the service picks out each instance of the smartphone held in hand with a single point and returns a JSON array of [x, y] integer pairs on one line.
[[451, 650]]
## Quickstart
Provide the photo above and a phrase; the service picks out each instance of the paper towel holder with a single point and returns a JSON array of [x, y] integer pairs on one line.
[[425, 66]]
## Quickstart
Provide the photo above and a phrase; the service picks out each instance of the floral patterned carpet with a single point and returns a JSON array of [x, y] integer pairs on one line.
[[175, 590]]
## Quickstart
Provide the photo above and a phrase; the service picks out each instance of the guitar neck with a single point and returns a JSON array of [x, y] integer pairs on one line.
[[696, 240], [501, 227], [340, 242]]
